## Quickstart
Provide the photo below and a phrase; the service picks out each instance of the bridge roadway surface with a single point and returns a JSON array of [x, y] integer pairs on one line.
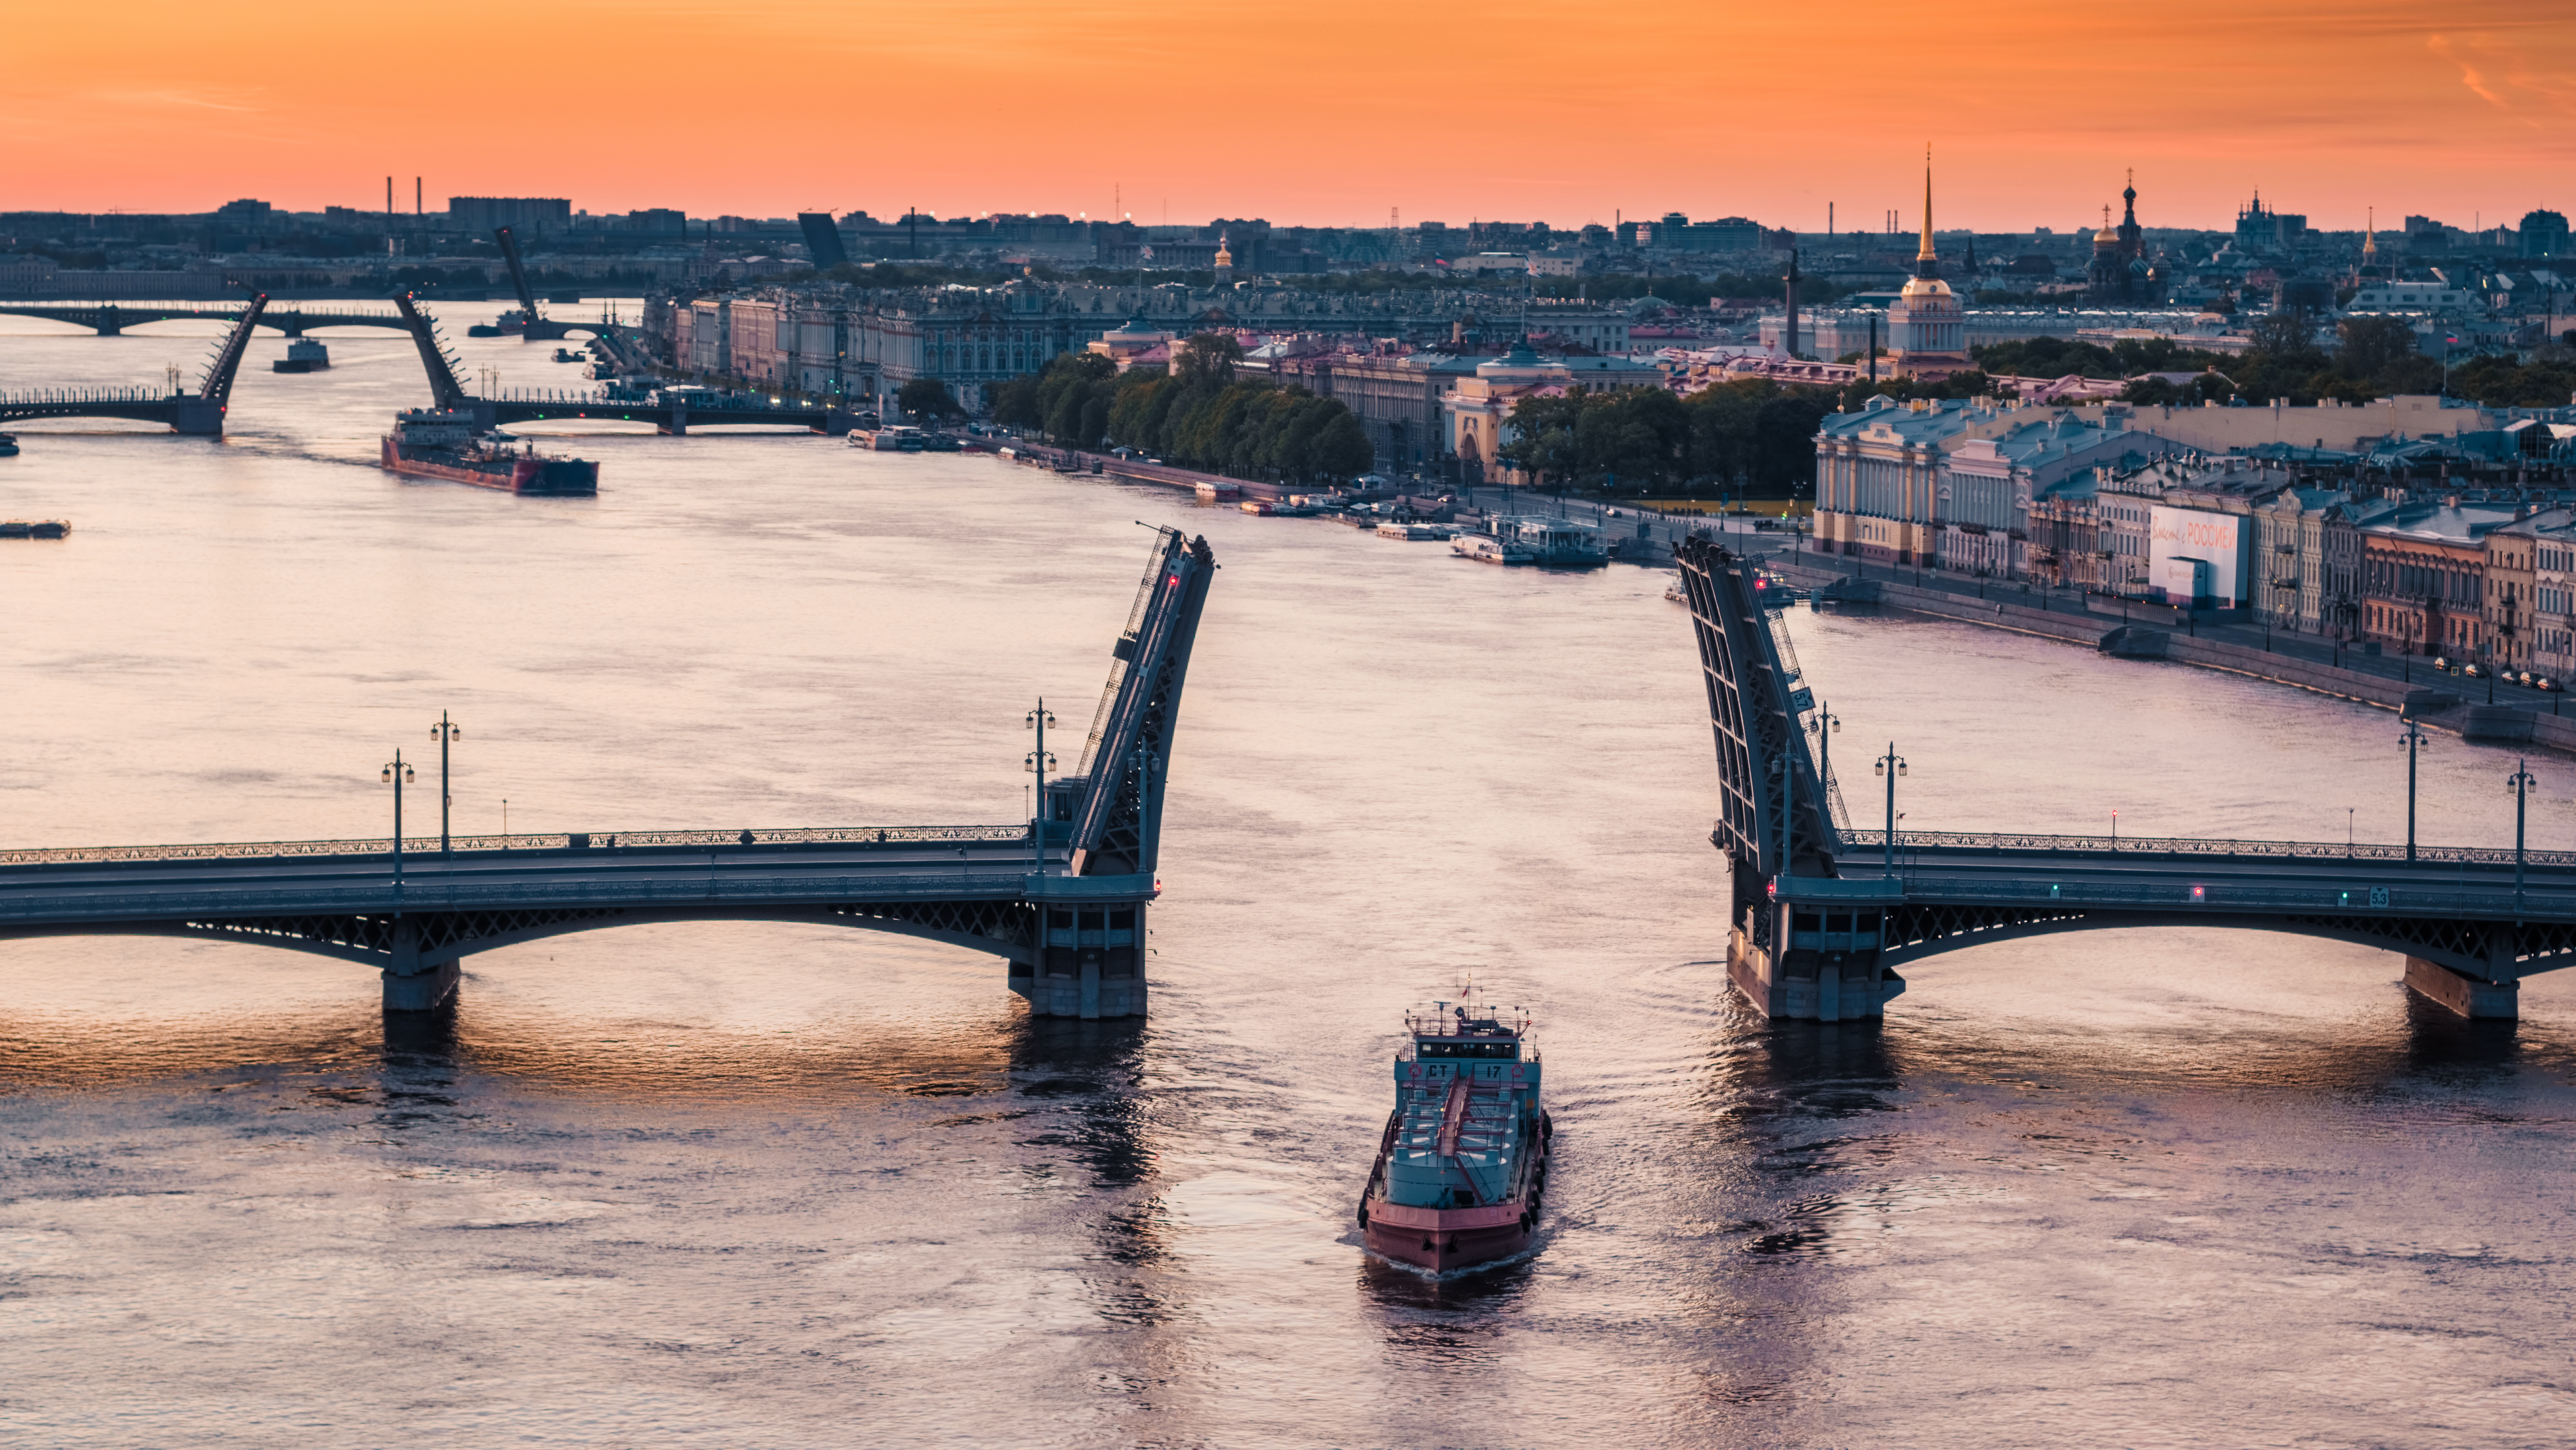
[[77, 885], [2318, 873]]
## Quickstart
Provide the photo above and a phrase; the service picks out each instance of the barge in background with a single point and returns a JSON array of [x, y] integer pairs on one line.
[[436, 443], [1463, 1165]]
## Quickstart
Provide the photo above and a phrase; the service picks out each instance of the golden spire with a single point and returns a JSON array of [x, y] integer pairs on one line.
[[1927, 254], [2370, 233]]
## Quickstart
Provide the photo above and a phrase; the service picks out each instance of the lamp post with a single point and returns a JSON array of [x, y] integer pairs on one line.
[[1827, 722], [2520, 783], [397, 775], [444, 732], [2411, 742], [1040, 762], [1881, 767]]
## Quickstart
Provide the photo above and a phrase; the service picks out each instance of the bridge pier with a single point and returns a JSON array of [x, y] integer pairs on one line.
[[410, 986], [424, 991], [1092, 964], [2476, 997], [197, 418]]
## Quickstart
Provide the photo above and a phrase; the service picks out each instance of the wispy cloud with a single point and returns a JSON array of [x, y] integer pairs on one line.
[[180, 100], [2441, 45]]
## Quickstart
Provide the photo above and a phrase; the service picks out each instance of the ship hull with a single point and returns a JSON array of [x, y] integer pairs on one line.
[[1443, 1239], [524, 473]]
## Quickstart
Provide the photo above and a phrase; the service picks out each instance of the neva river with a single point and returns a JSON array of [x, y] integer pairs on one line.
[[740, 1185]]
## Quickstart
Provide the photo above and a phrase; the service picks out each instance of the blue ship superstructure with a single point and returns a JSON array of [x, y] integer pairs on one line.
[[1464, 1161]]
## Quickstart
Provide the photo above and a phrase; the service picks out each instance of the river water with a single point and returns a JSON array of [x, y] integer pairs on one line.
[[741, 1185]]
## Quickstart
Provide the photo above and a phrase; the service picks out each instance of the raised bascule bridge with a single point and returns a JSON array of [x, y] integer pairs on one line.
[[198, 414], [675, 416], [1824, 913], [1062, 898]]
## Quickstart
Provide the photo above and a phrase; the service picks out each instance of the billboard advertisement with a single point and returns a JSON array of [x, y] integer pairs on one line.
[[2199, 549]]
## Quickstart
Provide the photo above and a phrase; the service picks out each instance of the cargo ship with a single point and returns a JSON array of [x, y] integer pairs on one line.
[[435, 443], [1463, 1166]]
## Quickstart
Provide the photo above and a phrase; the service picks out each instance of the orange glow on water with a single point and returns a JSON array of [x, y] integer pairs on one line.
[[1326, 114]]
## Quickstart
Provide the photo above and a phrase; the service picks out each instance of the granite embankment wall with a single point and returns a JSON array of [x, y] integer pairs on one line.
[[2438, 708]]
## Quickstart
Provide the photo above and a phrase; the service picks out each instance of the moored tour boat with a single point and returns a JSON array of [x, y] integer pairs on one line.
[[1463, 1166]]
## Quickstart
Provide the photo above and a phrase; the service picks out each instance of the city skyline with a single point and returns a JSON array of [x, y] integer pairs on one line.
[[2461, 114]]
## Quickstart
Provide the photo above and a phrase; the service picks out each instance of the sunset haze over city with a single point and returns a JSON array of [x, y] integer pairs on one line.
[[1328, 115]]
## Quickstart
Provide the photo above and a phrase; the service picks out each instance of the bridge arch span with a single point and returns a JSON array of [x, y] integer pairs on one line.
[[431, 941], [2469, 948]]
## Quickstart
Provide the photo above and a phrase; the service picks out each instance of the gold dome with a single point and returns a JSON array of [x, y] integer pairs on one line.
[[1925, 287]]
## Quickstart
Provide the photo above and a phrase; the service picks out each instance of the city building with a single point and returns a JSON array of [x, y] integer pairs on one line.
[[2424, 577], [1476, 413], [2544, 234], [1988, 488], [1396, 397], [519, 213], [2553, 595], [1927, 331], [1878, 473]]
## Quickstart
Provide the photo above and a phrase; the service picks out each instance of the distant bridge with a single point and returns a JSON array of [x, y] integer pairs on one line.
[[1823, 912], [109, 319], [675, 416], [199, 414], [1062, 898]]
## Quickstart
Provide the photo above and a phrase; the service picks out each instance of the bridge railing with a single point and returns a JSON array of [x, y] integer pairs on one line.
[[558, 841], [38, 397], [1863, 842]]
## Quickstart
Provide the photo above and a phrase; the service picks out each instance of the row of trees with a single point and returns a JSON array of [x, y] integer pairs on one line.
[[1751, 437], [1195, 413]]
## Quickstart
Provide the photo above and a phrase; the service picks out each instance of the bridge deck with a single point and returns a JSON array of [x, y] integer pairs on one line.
[[308, 876]]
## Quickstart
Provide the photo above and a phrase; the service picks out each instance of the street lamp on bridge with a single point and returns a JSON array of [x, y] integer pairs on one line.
[[1827, 722], [1880, 767], [2412, 742], [2520, 783], [1040, 762], [397, 775], [444, 732]]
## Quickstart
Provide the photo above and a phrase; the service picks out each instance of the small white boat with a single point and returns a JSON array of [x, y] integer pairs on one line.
[[1414, 533], [1212, 490], [1491, 551]]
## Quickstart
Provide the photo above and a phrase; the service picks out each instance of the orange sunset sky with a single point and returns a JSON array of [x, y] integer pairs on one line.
[[1327, 112]]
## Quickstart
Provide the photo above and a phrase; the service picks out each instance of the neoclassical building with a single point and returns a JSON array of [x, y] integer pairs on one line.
[[1927, 331]]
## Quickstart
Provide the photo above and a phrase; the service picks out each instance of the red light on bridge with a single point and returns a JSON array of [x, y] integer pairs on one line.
[[2199, 894]]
